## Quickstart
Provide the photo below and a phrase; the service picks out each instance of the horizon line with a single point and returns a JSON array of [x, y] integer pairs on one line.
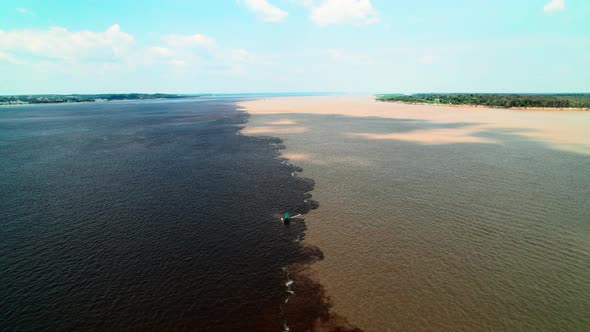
[[188, 94]]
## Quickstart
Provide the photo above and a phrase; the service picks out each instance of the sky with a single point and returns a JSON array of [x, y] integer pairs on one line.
[[233, 46]]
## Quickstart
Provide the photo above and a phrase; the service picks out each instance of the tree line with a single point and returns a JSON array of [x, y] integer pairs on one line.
[[77, 98], [495, 100]]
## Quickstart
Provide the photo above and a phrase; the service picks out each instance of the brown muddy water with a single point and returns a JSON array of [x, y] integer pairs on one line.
[[444, 224]]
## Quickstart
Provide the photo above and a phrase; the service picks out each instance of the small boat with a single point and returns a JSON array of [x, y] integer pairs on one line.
[[286, 218]]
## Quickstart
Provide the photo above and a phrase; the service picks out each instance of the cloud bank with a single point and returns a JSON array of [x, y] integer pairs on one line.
[[356, 12], [265, 11], [554, 6], [58, 43]]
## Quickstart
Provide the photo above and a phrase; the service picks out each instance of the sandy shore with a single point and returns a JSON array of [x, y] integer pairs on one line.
[[566, 130]]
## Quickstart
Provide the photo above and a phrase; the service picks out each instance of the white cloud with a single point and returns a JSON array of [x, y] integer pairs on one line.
[[25, 11], [4, 56], [356, 12], [265, 10], [554, 6], [59, 43], [158, 55], [306, 3], [198, 40], [158, 51], [113, 59], [178, 50]]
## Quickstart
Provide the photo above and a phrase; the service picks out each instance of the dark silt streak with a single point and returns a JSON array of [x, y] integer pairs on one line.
[[154, 215]]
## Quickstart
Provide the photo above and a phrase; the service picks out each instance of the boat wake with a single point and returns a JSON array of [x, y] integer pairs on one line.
[[290, 292]]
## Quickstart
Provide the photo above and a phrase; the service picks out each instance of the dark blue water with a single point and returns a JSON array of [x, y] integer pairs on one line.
[[154, 215]]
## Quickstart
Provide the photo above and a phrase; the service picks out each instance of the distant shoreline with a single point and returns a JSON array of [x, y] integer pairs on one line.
[[87, 102], [561, 109], [514, 101], [20, 100]]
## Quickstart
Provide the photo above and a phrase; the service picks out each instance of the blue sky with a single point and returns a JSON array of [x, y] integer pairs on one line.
[[225, 46]]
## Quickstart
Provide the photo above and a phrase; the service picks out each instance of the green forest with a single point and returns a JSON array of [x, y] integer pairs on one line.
[[495, 100], [78, 98]]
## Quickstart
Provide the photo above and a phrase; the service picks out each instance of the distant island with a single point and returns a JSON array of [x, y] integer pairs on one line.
[[515, 101], [84, 98]]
